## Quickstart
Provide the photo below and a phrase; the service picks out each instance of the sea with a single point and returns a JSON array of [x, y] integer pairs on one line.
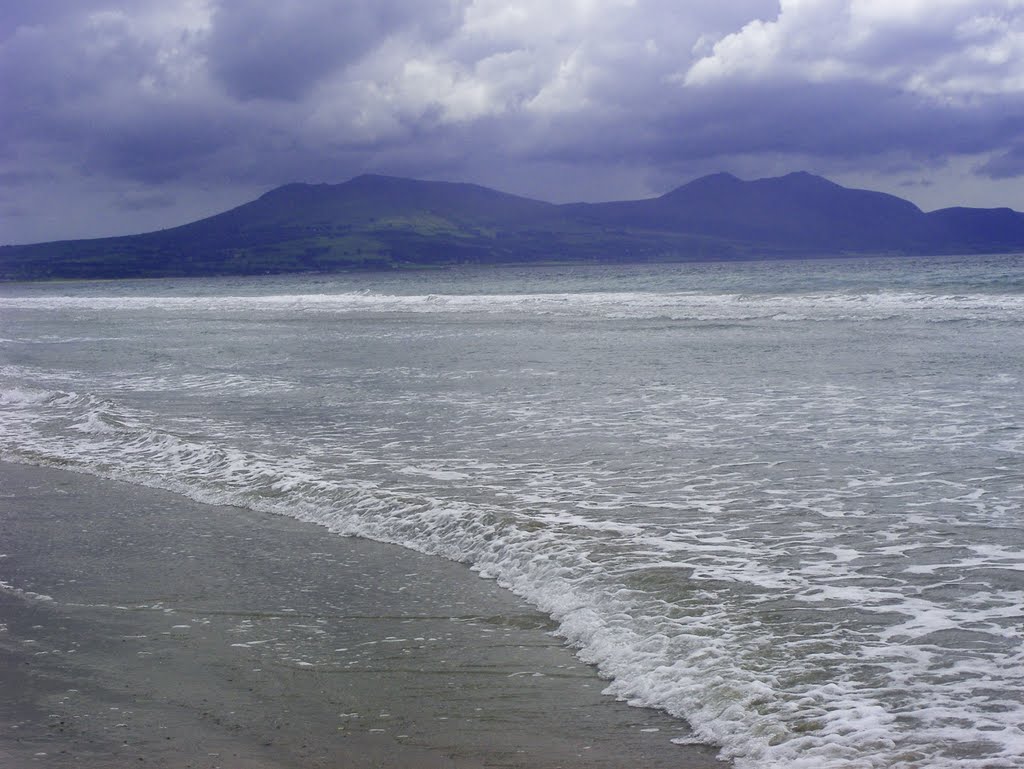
[[781, 500]]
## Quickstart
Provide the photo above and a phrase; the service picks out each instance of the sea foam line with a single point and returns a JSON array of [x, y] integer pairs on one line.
[[881, 305], [682, 664]]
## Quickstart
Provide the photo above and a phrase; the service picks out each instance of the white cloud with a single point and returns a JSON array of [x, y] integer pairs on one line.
[[947, 50]]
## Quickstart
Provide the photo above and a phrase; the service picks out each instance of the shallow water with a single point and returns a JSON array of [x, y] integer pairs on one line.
[[781, 500], [153, 628]]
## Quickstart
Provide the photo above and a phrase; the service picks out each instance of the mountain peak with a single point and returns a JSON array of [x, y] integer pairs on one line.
[[285, 190], [362, 182], [720, 181], [801, 177], [376, 179], [725, 181], [721, 176]]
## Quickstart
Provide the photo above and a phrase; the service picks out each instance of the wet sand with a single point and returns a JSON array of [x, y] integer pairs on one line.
[[138, 628]]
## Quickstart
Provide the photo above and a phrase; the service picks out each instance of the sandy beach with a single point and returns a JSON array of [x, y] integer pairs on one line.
[[139, 628]]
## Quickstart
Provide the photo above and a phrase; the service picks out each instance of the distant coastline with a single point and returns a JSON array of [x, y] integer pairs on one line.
[[386, 223]]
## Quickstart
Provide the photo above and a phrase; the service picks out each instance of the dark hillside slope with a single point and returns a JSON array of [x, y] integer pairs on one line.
[[971, 230], [367, 222], [365, 200], [383, 222], [798, 211]]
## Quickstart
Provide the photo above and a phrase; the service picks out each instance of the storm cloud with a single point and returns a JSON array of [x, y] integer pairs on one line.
[[121, 117]]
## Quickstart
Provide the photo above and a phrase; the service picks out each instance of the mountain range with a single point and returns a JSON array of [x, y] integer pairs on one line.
[[384, 222]]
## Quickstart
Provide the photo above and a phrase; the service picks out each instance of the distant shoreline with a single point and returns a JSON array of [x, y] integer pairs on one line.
[[540, 264], [388, 223]]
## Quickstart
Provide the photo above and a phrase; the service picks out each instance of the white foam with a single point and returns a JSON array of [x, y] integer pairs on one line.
[[439, 475], [685, 665], [677, 306], [27, 595], [17, 396]]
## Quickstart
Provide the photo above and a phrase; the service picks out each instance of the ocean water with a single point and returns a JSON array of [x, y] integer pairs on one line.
[[783, 501]]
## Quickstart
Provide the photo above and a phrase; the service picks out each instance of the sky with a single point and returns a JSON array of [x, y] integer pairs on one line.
[[123, 117]]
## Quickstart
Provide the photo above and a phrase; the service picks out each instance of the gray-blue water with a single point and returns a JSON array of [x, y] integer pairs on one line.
[[781, 500]]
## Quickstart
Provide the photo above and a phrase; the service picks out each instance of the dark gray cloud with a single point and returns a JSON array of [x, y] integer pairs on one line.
[[271, 49], [1006, 165], [145, 202], [176, 102]]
